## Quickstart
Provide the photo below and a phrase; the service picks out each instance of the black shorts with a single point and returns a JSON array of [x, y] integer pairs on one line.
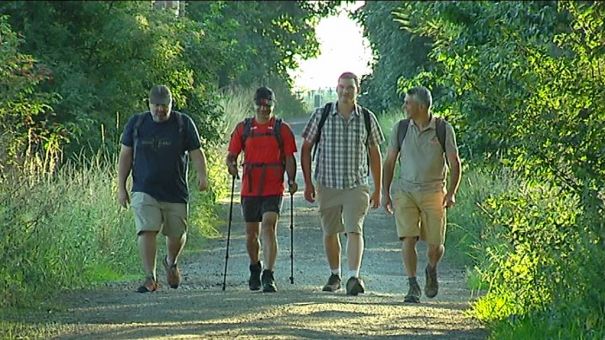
[[254, 207]]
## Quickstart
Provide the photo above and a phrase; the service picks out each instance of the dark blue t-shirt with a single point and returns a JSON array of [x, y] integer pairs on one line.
[[160, 160]]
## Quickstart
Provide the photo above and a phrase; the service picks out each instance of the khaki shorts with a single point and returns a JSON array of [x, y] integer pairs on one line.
[[153, 215], [420, 214], [343, 210]]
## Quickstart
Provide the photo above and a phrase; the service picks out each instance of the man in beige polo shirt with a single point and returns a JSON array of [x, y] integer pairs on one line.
[[425, 145]]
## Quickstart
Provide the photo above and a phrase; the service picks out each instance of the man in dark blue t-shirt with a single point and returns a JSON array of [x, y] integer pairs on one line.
[[155, 147]]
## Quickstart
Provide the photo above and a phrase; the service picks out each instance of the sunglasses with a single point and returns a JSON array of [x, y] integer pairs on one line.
[[264, 102]]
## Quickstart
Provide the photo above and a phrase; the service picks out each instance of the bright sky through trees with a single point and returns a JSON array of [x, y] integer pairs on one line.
[[342, 47]]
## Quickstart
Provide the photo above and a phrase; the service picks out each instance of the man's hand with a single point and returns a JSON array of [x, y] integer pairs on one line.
[[123, 197], [292, 187], [202, 183], [387, 203], [375, 200], [310, 193], [449, 200], [232, 168]]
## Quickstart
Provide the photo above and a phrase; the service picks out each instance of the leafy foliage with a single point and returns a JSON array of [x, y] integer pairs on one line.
[[522, 82]]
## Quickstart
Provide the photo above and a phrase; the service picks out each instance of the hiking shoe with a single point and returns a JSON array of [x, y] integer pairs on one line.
[[268, 282], [173, 275], [355, 286], [333, 284], [414, 292], [254, 280], [432, 286], [149, 285]]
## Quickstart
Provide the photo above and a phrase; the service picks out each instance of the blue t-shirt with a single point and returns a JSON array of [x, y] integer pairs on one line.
[[161, 156]]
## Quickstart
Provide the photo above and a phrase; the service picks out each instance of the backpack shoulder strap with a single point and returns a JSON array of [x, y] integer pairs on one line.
[[324, 115], [402, 130], [137, 125], [277, 129], [180, 122], [135, 133], [368, 123], [440, 129], [246, 132], [277, 133]]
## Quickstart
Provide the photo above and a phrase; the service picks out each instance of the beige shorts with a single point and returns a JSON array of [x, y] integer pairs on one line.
[[420, 214], [343, 210], [153, 215]]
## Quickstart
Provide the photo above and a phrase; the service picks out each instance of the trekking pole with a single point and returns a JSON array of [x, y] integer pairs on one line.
[[291, 238], [229, 232]]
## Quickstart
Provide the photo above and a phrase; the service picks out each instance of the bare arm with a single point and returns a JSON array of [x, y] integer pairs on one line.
[[376, 170], [455, 175], [388, 170], [291, 168], [305, 162], [124, 168], [198, 160]]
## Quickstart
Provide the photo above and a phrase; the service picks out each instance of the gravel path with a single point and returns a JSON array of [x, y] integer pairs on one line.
[[200, 309]]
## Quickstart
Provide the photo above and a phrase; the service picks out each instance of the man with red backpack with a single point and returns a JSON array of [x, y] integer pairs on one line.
[[268, 144]]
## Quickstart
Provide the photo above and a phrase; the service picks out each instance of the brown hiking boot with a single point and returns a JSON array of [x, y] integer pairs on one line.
[[431, 287], [149, 285], [414, 292], [355, 286], [173, 275], [333, 284]]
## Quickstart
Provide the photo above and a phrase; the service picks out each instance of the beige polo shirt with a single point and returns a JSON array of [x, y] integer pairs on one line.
[[422, 161]]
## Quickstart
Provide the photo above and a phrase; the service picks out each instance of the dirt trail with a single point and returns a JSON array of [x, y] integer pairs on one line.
[[200, 309]]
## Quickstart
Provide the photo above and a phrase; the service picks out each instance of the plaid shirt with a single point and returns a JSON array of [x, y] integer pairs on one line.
[[341, 160]]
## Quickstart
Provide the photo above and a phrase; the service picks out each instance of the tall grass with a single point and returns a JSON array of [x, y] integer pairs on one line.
[[66, 230]]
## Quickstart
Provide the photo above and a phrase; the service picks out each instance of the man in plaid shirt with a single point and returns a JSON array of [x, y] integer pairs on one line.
[[341, 175]]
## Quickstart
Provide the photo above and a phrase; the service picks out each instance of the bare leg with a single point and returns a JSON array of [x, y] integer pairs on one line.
[[355, 247], [269, 236], [434, 254], [410, 257], [332, 248], [175, 245], [252, 241], [147, 251]]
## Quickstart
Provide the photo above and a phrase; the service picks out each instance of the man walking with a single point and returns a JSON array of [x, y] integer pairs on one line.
[[345, 135], [424, 143], [269, 146], [155, 147]]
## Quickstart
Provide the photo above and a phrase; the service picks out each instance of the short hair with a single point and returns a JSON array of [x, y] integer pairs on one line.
[[422, 95], [264, 92], [350, 75]]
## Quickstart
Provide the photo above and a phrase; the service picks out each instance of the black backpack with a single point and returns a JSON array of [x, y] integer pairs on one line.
[[402, 129], [324, 115], [139, 121]]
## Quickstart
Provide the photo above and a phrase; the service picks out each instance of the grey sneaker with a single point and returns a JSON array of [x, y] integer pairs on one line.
[[414, 292], [268, 282], [254, 281], [333, 284], [355, 286], [432, 286]]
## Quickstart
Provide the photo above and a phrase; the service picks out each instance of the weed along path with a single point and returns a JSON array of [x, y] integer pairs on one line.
[[200, 309]]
